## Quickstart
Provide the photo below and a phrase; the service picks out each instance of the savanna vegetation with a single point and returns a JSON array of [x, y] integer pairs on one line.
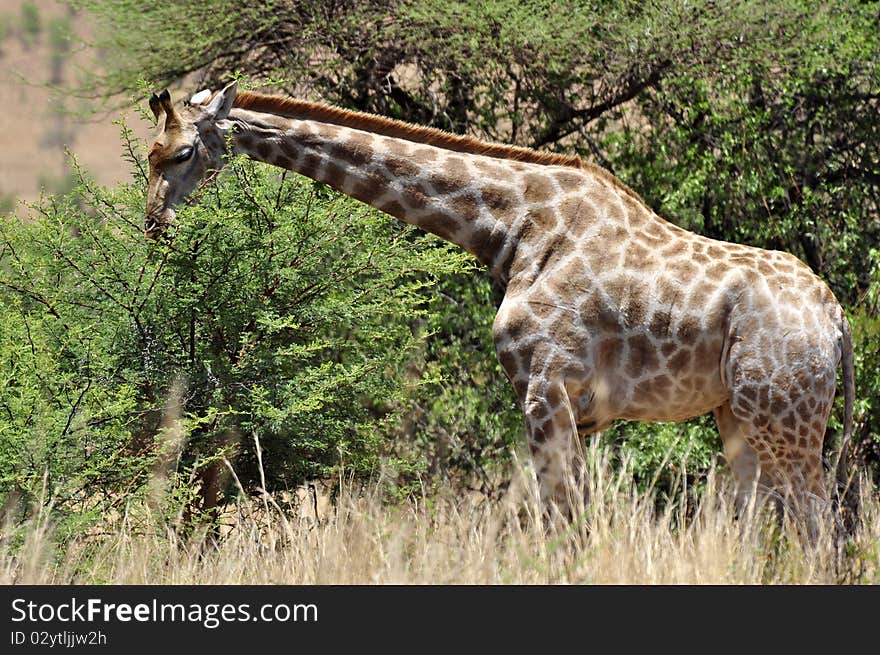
[[286, 333]]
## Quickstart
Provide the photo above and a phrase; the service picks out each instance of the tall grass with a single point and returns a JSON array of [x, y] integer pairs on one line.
[[454, 537]]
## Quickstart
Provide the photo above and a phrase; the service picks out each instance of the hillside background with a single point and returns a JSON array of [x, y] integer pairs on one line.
[[43, 54]]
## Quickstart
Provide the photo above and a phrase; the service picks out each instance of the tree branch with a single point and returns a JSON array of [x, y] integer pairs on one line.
[[562, 125]]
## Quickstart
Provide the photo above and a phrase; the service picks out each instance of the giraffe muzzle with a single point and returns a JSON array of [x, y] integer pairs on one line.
[[155, 224]]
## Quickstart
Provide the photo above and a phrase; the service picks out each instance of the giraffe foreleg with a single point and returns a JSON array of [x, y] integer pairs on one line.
[[557, 450]]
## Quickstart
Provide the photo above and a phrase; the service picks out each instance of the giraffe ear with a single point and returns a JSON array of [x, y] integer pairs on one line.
[[201, 97], [156, 106], [221, 103]]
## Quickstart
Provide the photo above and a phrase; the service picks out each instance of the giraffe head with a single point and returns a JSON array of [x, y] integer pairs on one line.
[[189, 142]]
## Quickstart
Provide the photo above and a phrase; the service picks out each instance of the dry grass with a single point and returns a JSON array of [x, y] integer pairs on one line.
[[454, 538]]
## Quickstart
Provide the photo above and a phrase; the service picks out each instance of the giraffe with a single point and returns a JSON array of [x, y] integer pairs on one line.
[[609, 312]]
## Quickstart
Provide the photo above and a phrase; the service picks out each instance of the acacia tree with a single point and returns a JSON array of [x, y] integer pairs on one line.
[[276, 313]]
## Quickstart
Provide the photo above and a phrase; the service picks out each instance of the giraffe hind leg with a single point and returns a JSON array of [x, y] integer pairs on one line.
[[769, 461], [750, 484]]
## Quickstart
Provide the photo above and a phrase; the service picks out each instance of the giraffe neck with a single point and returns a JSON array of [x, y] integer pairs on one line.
[[477, 202]]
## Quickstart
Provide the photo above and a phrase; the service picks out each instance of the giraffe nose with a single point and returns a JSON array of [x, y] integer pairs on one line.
[[152, 230], [156, 222]]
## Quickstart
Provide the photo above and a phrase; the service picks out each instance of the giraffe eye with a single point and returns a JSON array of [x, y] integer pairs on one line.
[[183, 155]]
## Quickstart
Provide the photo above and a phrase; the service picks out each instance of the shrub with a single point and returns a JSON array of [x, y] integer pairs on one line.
[[31, 23], [283, 311]]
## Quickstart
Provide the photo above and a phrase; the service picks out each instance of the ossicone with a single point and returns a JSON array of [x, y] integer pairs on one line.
[[161, 104]]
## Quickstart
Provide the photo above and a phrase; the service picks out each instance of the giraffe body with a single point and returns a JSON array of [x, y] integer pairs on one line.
[[609, 311]]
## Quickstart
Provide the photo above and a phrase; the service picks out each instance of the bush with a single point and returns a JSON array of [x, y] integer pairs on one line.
[[283, 312], [865, 321], [31, 23]]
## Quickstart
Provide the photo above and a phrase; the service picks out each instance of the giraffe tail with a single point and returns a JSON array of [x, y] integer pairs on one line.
[[847, 491]]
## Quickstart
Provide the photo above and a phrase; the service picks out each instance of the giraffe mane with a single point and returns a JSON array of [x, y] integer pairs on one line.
[[307, 110]]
